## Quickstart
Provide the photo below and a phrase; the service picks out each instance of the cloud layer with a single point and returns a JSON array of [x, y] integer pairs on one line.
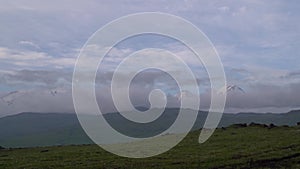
[[257, 42]]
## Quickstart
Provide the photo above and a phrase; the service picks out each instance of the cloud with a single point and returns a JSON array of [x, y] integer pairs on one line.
[[40, 101], [22, 59], [36, 78], [260, 96], [291, 75], [30, 44], [257, 42]]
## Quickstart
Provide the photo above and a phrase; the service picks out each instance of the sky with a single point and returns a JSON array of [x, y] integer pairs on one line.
[[257, 41]]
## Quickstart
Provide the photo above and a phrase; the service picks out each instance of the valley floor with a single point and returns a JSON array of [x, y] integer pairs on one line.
[[232, 147]]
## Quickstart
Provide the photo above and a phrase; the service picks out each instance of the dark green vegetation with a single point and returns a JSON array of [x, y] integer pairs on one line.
[[233, 147], [47, 129]]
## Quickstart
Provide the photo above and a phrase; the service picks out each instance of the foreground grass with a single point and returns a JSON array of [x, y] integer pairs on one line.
[[246, 147]]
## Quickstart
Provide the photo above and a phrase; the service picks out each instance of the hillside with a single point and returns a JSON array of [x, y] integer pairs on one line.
[[233, 147], [46, 129]]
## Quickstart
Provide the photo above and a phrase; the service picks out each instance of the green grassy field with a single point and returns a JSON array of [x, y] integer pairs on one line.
[[234, 147]]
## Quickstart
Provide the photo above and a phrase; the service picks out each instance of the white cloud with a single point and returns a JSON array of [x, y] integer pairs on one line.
[[224, 8], [31, 59], [29, 43]]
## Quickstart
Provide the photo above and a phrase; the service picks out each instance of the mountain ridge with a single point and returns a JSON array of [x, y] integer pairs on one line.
[[30, 129]]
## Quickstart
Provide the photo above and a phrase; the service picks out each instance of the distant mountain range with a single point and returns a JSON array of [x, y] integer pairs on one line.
[[45, 129]]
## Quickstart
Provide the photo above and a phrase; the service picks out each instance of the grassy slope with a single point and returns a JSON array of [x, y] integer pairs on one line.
[[250, 147]]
